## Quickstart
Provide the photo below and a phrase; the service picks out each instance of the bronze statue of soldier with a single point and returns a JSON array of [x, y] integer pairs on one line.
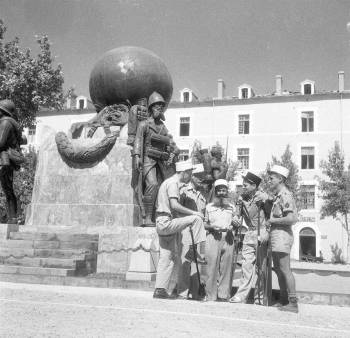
[[10, 155], [153, 148]]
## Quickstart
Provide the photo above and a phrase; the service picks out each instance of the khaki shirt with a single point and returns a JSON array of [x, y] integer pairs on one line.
[[168, 189], [253, 212], [220, 217], [283, 204], [192, 198]]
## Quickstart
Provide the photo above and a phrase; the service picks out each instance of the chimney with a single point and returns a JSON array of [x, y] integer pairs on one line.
[[221, 89], [278, 85], [341, 81]]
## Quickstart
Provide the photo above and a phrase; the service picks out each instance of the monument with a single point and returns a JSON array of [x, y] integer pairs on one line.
[[107, 184]]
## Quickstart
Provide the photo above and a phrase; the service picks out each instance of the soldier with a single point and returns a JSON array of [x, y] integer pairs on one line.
[[283, 216], [219, 218], [10, 154], [191, 198], [169, 226], [151, 153], [254, 216]]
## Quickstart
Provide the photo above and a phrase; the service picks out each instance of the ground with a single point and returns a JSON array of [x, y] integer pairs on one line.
[[62, 311]]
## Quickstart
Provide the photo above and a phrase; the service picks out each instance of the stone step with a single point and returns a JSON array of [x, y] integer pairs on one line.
[[65, 263], [38, 244], [44, 236], [45, 253], [34, 270]]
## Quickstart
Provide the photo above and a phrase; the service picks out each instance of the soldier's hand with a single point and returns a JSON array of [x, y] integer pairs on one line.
[[197, 213], [261, 196], [264, 237]]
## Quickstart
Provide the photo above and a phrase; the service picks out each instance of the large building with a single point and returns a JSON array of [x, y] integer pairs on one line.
[[252, 129]]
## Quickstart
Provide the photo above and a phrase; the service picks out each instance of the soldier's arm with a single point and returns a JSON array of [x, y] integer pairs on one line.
[[5, 127], [176, 206]]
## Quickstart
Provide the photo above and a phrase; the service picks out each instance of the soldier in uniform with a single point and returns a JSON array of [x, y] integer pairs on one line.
[[253, 214], [191, 198], [219, 219], [170, 224], [283, 216], [151, 153], [10, 154]]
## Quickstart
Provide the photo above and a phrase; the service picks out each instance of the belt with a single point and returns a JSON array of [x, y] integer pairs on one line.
[[163, 214]]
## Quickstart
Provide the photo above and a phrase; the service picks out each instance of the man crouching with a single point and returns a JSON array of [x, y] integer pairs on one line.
[[169, 227], [219, 249]]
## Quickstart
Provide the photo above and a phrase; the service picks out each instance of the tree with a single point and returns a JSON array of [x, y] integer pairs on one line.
[[293, 179], [31, 82], [335, 190]]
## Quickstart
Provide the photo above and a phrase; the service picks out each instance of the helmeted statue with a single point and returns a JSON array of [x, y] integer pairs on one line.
[[10, 154], [153, 148]]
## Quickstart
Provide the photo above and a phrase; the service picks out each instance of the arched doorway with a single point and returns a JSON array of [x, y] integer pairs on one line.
[[307, 243]]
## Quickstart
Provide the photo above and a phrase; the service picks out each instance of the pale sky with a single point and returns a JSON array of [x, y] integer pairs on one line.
[[200, 41]]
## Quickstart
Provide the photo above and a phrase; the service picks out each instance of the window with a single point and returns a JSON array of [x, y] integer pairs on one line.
[[184, 126], [244, 93], [243, 157], [81, 103], [184, 155], [31, 134], [307, 158], [243, 124], [307, 88], [307, 194], [307, 121], [186, 96]]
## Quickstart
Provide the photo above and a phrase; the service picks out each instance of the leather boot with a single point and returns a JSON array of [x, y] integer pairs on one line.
[[292, 306]]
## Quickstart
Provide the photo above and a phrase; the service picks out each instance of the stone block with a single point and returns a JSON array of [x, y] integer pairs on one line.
[[5, 230]]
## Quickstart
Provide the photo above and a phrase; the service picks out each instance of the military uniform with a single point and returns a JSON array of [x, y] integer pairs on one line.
[[154, 157], [281, 236], [10, 155], [249, 252], [219, 251], [169, 227], [187, 281]]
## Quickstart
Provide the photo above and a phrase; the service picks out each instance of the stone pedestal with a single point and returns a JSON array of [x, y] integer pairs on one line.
[[96, 200], [5, 230]]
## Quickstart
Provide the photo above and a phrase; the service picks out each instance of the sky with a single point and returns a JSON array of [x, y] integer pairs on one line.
[[200, 41]]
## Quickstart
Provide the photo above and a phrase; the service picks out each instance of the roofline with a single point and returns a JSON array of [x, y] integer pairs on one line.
[[261, 99], [223, 102]]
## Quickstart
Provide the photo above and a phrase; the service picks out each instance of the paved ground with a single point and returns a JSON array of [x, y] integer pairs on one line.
[[62, 311]]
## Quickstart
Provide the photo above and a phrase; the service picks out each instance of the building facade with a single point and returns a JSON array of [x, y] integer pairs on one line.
[[252, 129]]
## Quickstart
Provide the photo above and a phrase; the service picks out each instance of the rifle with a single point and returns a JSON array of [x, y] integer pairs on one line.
[[141, 102]]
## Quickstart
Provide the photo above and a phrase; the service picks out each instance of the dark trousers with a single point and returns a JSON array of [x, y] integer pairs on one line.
[[6, 179]]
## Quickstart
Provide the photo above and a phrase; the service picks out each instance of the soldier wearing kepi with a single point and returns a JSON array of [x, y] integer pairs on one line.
[[253, 214], [169, 226], [151, 153], [219, 219], [283, 216], [10, 154]]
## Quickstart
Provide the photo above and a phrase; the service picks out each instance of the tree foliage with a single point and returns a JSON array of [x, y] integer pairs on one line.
[[293, 179], [335, 189], [31, 82]]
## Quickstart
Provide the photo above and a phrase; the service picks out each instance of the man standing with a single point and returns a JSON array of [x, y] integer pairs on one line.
[[169, 227], [10, 155], [253, 215], [151, 153], [283, 216], [219, 218]]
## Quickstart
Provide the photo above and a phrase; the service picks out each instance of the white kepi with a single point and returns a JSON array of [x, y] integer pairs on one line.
[[183, 166], [278, 169]]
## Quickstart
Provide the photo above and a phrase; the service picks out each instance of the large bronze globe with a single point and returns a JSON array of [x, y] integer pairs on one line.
[[128, 73]]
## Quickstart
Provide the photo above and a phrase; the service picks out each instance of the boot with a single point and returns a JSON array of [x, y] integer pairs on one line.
[[292, 306]]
